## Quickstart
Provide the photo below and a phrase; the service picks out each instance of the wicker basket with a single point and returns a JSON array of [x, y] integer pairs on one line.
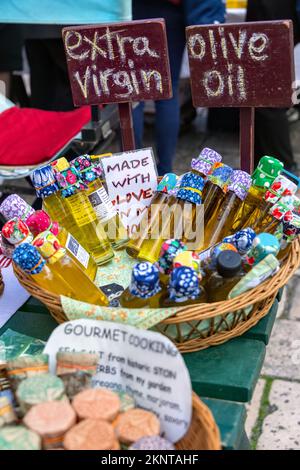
[[199, 326], [203, 433]]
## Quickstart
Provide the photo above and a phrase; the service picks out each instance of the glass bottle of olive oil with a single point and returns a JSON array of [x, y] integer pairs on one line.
[[144, 289], [184, 289], [99, 199], [228, 273], [61, 264], [285, 206], [219, 225], [215, 190], [28, 258], [266, 172], [87, 228], [155, 226]]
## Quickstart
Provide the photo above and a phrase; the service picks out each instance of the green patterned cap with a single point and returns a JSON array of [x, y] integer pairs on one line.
[[267, 170]]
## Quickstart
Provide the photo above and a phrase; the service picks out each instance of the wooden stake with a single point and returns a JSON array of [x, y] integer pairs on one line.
[[126, 125], [247, 116]]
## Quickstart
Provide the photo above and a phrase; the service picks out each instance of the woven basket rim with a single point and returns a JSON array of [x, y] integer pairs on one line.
[[197, 311]]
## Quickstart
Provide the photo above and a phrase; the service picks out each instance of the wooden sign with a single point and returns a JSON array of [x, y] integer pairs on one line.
[[244, 65], [118, 62]]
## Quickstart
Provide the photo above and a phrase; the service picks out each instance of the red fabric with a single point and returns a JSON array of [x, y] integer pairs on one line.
[[31, 136]]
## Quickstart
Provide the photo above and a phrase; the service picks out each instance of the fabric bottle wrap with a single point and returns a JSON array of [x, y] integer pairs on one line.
[[28, 258], [239, 183], [291, 228], [40, 221], [242, 240], [266, 172], [61, 164], [191, 187], [263, 245], [15, 206], [167, 183], [285, 207], [220, 175], [189, 259], [16, 232], [282, 186], [262, 271], [49, 247], [184, 285], [145, 280], [169, 250], [102, 205], [205, 161], [88, 171], [44, 181]]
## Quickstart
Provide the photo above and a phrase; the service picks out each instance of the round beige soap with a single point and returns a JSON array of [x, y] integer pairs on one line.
[[97, 403], [51, 420], [90, 434], [39, 389], [19, 438], [135, 424]]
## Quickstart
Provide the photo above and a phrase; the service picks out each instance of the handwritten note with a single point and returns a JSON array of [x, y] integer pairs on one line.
[[131, 180], [145, 364], [243, 65], [118, 62]]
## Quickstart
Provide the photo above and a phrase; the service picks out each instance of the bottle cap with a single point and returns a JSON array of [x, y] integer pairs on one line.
[[184, 284], [69, 182], [242, 240], [189, 259], [284, 207], [220, 175], [88, 171], [16, 232], [43, 180], [263, 245], [282, 186], [291, 228], [240, 183], [144, 280], [267, 170], [167, 183], [169, 249], [49, 247], [211, 262], [229, 263], [61, 164], [191, 187], [40, 222], [28, 258], [15, 206], [205, 161]]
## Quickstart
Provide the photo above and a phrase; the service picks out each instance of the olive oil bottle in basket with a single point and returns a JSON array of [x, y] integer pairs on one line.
[[281, 187], [283, 208], [87, 227], [157, 224], [30, 261], [263, 177], [220, 224], [227, 275], [40, 221], [100, 201], [62, 265], [215, 190], [184, 289], [145, 289]]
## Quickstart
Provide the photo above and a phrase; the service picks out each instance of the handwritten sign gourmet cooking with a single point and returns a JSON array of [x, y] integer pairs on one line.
[[242, 65], [131, 180], [118, 62]]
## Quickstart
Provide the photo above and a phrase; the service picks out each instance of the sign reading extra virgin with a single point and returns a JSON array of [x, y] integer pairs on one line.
[[118, 62]]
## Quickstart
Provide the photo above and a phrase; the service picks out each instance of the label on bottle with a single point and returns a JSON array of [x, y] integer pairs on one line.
[[102, 205], [77, 251], [81, 209]]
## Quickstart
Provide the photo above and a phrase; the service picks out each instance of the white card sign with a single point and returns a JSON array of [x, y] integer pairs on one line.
[[145, 364], [131, 179]]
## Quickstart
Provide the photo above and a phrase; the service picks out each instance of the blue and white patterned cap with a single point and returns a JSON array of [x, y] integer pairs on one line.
[[191, 187], [184, 284], [144, 280], [43, 180], [242, 240], [28, 258]]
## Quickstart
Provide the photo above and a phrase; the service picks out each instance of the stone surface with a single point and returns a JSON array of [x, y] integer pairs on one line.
[[253, 407], [283, 305], [283, 353], [294, 313], [281, 428]]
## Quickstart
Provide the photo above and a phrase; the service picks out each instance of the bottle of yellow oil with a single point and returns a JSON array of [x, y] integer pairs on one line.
[[62, 265], [227, 275], [215, 190], [100, 201], [184, 289]]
